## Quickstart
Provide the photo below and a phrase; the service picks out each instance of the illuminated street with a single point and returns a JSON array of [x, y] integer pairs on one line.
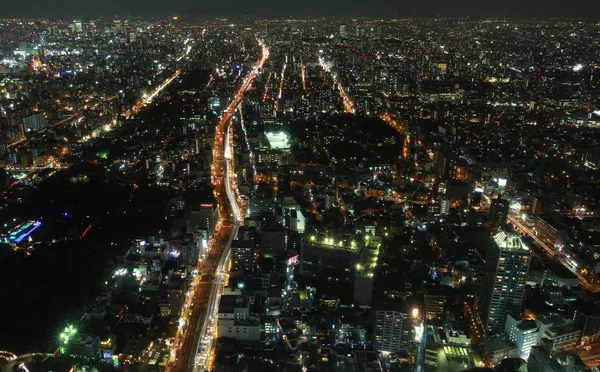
[[348, 103], [514, 220], [211, 190], [194, 347]]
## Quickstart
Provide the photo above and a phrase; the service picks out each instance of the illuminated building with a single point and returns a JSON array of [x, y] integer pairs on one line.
[[523, 333], [435, 301], [259, 204], [278, 140], [364, 272], [242, 252], [85, 346], [499, 210], [272, 156], [444, 206], [503, 285], [328, 252], [550, 234], [343, 31], [297, 221], [108, 345], [235, 321], [591, 159], [476, 196], [289, 273], [393, 327], [205, 218], [175, 299], [536, 207], [34, 122]]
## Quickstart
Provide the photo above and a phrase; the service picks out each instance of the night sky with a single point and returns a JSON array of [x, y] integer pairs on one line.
[[276, 8]]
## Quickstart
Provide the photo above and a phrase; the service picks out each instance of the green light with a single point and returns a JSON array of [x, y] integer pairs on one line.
[[67, 334]]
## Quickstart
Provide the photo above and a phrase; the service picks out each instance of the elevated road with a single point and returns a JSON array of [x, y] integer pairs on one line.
[[552, 253], [189, 353]]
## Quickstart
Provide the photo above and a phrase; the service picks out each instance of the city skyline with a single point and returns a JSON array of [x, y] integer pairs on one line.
[[320, 193], [531, 9]]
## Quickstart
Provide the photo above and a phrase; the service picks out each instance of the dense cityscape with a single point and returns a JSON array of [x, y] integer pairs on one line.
[[299, 194]]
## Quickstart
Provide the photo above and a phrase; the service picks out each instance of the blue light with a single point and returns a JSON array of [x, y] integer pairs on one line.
[[26, 234]]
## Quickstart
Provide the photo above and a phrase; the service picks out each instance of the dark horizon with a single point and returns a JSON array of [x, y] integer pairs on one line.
[[71, 9]]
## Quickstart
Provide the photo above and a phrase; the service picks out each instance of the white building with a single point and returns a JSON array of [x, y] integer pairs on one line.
[[393, 328], [523, 333], [234, 320]]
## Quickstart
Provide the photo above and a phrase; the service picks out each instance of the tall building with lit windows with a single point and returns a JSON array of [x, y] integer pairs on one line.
[[393, 327], [503, 286], [242, 254]]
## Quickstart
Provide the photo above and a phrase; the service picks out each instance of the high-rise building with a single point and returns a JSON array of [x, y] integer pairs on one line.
[[273, 241], [550, 233], [242, 252], [205, 218], [435, 302], [536, 207], [499, 210], [343, 31], [444, 206], [393, 327], [503, 286], [364, 272], [34, 122]]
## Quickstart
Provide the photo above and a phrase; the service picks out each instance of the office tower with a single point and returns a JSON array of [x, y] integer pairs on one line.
[[205, 218], [476, 196], [536, 207], [393, 327], [499, 211], [34, 122], [435, 302], [364, 272], [444, 206], [503, 286], [242, 252]]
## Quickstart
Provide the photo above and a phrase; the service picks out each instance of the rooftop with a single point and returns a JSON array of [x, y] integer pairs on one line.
[[509, 241]]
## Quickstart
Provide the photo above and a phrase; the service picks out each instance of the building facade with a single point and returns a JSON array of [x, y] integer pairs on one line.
[[393, 328], [503, 285]]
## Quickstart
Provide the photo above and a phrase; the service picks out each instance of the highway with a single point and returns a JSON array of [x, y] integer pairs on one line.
[[188, 352], [552, 253], [348, 103], [281, 80], [202, 359]]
